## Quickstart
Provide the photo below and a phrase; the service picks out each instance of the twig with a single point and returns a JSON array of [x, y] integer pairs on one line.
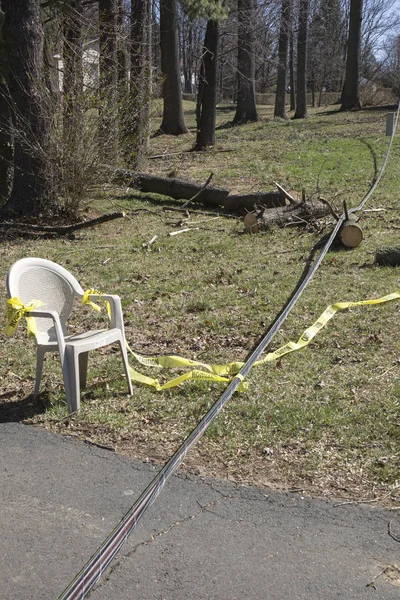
[[298, 221], [372, 583], [166, 154], [357, 502], [152, 212], [171, 233], [201, 212], [63, 229], [383, 374], [328, 204], [286, 194], [148, 244], [199, 192], [202, 221], [346, 212]]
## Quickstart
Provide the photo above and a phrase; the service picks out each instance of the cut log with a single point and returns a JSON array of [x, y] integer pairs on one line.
[[389, 256], [242, 203], [351, 234], [282, 216], [251, 223], [180, 189]]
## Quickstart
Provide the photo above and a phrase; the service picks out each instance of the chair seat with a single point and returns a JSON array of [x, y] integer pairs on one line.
[[95, 338]]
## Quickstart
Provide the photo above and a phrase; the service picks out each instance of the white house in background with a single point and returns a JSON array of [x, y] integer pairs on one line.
[[90, 68]]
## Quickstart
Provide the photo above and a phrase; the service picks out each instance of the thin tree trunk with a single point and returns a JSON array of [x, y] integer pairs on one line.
[[245, 102], [148, 75], [301, 104], [291, 73], [173, 122], [351, 93], [283, 46], [122, 57], [136, 125], [33, 191], [6, 137], [207, 94], [72, 86], [108, 79]]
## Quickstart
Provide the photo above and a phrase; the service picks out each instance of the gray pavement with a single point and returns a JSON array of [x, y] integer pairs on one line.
[[201, 539]]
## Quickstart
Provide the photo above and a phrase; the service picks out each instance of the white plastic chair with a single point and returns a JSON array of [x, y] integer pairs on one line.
[[40, 279]]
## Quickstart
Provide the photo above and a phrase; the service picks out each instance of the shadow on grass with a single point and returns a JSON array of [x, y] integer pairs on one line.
[[167, 203], [12, 235], [16, 411], [380, 108]]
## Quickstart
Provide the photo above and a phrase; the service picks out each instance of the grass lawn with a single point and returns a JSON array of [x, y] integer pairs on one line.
[[324, 420]]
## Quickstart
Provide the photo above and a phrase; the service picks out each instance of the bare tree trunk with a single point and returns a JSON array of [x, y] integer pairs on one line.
[[207, 94], [246, 102], [147, 76], [72, 78], [122, 57], [301, 110], [136, 117], [291, 73], [108, 79], [6, 137], [173, 122], [351, 93], [33, 191], [283, 46]]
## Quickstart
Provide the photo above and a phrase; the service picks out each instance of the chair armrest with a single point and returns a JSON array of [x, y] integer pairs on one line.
[[52, 314], [116, 317]]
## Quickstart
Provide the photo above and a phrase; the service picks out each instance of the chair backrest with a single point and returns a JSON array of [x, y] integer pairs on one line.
[[40, 279]]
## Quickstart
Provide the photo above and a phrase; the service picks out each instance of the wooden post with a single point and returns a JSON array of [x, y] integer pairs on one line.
[[389, 123]]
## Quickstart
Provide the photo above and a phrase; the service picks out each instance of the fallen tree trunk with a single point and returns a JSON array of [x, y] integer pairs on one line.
[[282, 216], [242, 203], [388, 256], [180, 189]]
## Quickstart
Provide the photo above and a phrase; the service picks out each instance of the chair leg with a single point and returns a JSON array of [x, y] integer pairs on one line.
[[83, 366], [39, 368], [126, 365], [71, 379]]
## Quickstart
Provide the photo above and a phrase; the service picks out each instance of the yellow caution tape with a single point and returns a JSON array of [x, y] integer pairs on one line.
[[219, 372], [93, 292], [15, 311], [194, 375]]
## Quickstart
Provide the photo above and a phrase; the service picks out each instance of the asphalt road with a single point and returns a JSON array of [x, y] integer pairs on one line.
[[201, 539]]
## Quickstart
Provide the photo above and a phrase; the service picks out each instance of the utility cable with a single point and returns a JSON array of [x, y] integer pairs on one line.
[[91, 573]]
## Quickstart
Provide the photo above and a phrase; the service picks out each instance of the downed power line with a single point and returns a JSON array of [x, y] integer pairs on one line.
[[91, 573]]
